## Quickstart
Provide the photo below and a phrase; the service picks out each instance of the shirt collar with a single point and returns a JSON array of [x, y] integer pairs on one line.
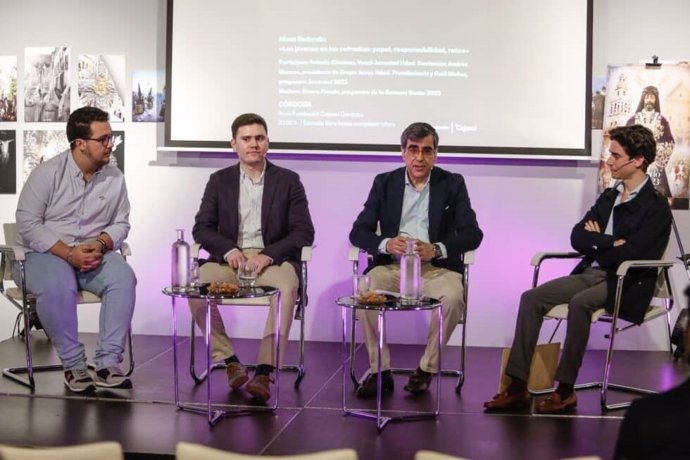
[[244, 176], [407, 181], [620, 187], [74, 169]]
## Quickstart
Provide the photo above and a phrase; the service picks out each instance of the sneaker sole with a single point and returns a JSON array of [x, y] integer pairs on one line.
[[126, 384], [87, 389]]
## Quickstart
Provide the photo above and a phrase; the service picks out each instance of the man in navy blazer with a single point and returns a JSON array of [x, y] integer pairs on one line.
[[431, 207], [628, 221], [253, 213]]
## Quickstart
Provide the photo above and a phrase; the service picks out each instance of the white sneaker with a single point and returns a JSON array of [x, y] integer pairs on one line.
[[79, 381], [112, 377]]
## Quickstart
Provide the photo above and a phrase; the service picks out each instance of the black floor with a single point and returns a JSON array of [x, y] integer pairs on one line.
[[148, 425]]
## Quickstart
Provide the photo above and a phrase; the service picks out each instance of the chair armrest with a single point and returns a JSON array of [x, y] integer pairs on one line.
[[16, 251], [468, 257], [194, 251], [630, 264], [353, 253], [541, 256], [306, 253], [126, 250]]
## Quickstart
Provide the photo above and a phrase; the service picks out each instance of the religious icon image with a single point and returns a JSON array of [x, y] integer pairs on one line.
[[148, 96], [101, 83], [8, 88], [659, 99], [47, 84]]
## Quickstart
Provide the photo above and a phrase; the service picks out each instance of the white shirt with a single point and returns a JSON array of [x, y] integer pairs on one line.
[[249, 208]]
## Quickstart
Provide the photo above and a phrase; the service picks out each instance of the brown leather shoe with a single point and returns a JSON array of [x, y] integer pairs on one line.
[[505, 401], [418, 382], [367, 389], [260, 387], [237, 375], [555, 404]]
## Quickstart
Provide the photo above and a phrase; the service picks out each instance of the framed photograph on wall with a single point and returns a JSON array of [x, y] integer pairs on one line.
[[47, 84], [8, 162], [101, 83], [8, 88]]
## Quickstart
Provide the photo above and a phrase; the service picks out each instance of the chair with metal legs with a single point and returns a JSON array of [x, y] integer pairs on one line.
[[662, 304], [468, 260], [300, 315], [25, 302]]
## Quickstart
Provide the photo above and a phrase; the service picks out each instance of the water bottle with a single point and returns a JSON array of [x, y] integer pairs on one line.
[[410, 275], [180, 264]]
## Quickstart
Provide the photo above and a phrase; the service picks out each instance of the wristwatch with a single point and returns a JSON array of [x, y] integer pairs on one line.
[[437, 251]]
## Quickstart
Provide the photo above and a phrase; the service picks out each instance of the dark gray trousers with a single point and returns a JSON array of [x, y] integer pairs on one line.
[[584, 293]]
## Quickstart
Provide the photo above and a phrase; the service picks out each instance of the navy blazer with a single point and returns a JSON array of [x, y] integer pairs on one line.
[[286, 224], [656, 427], [452, 221], [645, 225]]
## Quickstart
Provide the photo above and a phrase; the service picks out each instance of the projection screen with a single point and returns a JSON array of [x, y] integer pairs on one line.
[[495, 77]]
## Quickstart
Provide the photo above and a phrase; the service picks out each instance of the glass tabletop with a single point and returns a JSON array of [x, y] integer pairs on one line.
[[390, 303], [201, 292]]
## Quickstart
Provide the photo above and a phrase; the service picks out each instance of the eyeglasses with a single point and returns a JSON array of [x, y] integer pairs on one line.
[[414, 150], [104, 140]]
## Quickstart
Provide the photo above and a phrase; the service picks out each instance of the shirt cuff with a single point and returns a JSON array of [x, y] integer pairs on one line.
[[225, 257], [382, 246], [444, 251]]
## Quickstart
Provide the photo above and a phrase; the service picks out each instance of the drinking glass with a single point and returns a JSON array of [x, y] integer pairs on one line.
[[246, 274], [361, 284]]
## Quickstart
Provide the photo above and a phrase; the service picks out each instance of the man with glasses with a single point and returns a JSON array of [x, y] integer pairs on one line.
[[72, 213], [430, 206]]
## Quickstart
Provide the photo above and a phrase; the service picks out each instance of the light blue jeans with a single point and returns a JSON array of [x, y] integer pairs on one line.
[[55, 283]]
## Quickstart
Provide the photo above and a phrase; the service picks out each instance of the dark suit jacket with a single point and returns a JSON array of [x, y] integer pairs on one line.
[[286, 225], [645, 224], [451, 218], [656, 427]]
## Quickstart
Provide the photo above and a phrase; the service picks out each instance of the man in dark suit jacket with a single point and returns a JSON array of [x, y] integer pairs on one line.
[[431, 207], [253, 213], [629, 221], [655, 427]]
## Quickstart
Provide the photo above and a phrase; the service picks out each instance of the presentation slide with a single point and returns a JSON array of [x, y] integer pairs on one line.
[[499, 77]]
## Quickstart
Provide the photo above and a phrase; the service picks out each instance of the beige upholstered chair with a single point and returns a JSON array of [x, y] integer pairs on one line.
[[431, 455], [23, 300], [300, 314], [187, 451], [661, 306], [97, 450], [468, 260]]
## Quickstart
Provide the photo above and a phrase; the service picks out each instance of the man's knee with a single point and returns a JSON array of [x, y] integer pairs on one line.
[[529, 300]]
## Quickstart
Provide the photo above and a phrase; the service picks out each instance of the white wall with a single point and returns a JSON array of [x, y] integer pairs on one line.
[[523, 207]]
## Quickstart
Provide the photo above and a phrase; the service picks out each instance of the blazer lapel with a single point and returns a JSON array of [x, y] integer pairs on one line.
[[270, 188], [396, 194], [233, 191], [436, 193]]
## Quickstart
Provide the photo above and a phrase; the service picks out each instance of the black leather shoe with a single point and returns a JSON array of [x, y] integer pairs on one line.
[[367, 389], [419, 381]]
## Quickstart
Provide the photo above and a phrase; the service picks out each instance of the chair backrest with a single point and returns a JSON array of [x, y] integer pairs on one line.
[[10, 231], [99, 450], [189, 451], [10, 234]]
